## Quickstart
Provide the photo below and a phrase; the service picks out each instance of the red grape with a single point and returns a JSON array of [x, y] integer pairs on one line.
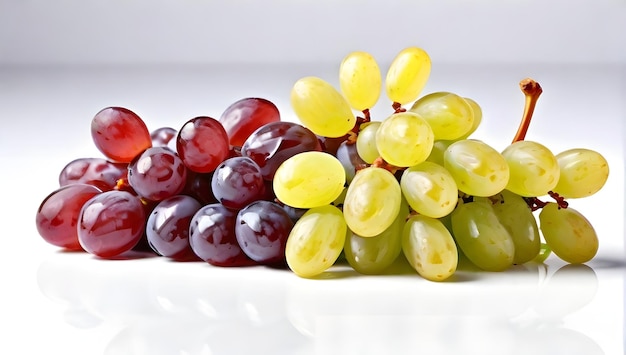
[[202, 144], [120, 134], [98, 172], [246, 115], [111, 223], [238, 182], [156, 174], [58, 214], [164, 137]]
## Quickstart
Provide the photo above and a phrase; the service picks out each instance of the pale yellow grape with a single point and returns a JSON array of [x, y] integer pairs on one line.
[[448, 114], [534, 170], [568, 233], [429, 248], [429, 189], [407, 75], [477, 168], [478, 117], [309, 179], [366, 142], [583, 173], [372, 201], [360, 80], [315, 241], [321, 108], [404, 139], [439, 149]]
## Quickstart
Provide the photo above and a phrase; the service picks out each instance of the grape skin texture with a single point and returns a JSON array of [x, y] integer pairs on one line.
[[315, 241], [429, 248], [407, 75], [429, 189], [360, 80], [366, 142], [98, 172], [534, 170], [202, 144], [309, 179], [157, 173], [119, 134], [404, 139], [448, 114], [568, 233], [245, 116], [238, 182], [478, 169], [583, 173], [372, 201]]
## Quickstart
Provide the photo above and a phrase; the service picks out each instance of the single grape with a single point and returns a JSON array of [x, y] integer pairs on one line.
[[202, 144], [238, 182], [568, 233], [583, 173], [275, 142], [309, 179], [429, 248], [534, 170], [245, 116], [481, 236], [262, 229], [404, 139], [366, 142], [164, 137], [478, 117], [119, 134], [477, 168], [321, 108], [157, 173], [438, 151], [349, 157], [98, 172], [199, 187], [167, 227], [331, 144], [111, 223], [58, 214], [360, 80], [449, 115], [372, 201], [212, 237], [407, 75], [429, 189], [316, 241]]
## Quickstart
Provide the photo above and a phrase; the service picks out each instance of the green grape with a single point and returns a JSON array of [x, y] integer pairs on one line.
[[478, 117], [477, 168], [568, 233], [534, 170], [372, 201], [309, 179], [436, 154], [515, 215], [321, 108], [544, 253], [429, 247], [449, 115], [429, 189], [404, 139], [481, 236], [360, 80], [372, 255], [407, 75], [366, 142], [583, 173], [316, 241]]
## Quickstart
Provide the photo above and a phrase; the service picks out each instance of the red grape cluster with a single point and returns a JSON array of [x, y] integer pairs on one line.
[[203, 191]]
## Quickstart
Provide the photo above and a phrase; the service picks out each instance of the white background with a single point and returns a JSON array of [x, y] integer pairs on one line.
[[62, 61]]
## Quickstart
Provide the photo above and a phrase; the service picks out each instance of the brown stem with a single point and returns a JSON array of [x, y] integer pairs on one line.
[[397, 107], [531, 90], [560, 200], [381, 163], [352, 134]]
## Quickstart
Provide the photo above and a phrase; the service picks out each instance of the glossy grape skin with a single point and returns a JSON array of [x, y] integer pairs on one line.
[[348, 156], [407, 75], [156, 174], [449, 115], [275, 142], [262, 229], [429, 189], [366, 142], [583, 173], [360, 80], [568, 233], [57, 216], [212, 237], [237, 182], [534, 170], [331, 144], [111, 223], [167, 227], [120, 134], [478, 117], [164, 137], [404, 139], [202, 144], [245, 116], [98, 172]]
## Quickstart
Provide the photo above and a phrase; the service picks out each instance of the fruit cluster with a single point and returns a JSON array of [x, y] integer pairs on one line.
[[248, 188]]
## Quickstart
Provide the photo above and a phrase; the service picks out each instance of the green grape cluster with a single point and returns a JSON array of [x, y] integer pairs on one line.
[[424, 188]]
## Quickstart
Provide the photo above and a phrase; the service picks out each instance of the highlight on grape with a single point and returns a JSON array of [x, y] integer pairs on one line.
[[338, 187]]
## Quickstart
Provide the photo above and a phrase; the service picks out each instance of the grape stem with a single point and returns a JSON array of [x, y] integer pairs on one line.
[[354, 132], [532, 90], [397, 107], [381, 163]]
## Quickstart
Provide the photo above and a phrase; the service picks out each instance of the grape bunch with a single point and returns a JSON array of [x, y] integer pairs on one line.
[[250, 189]]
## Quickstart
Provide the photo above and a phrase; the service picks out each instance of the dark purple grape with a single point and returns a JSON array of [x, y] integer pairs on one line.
[[198, 186], [98, 172], [212, 237], [350, 159], [156, 174], [245, 116], [111, 223], [202, 144], [167, 228], [262, 229], [237, 182], [119, 134], [331, 144]]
